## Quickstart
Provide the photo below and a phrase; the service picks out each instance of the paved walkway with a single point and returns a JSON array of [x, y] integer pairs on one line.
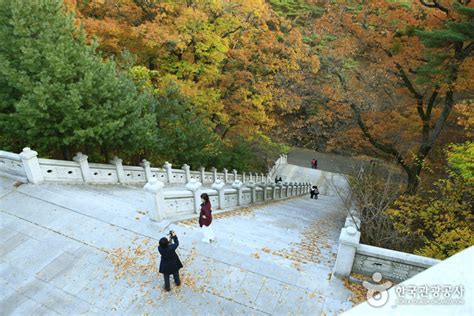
[[342, 164], [71, 253]]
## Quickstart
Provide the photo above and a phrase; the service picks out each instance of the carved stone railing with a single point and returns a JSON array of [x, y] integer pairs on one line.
[[11, 166], [352, 256], [26, 167], [174, 203], [283, 159]]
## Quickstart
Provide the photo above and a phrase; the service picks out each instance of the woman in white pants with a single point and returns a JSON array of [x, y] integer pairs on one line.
[[205, 219]]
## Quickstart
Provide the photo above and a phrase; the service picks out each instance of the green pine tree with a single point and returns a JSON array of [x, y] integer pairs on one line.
[[57, 94], [448, 47], [184, 135]]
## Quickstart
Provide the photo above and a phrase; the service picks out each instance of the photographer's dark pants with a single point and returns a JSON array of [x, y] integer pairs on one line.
[[167, 279], [314, 195]]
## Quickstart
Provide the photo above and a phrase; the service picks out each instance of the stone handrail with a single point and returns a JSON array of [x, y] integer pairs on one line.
[[163, 204], [36, 170], [394, 265], [352, 256], [11, 166], [283, 159]]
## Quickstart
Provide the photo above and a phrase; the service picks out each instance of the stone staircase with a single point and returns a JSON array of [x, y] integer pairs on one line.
[[274, 258]]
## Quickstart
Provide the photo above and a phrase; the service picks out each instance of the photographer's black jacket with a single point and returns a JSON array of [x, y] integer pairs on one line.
[[170, 262]]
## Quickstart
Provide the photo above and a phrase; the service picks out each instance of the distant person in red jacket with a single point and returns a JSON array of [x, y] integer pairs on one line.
[[313, 162], [205, 219]]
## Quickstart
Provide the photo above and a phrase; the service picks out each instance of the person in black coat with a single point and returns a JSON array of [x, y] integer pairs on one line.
[[314, 192], [170, 263]]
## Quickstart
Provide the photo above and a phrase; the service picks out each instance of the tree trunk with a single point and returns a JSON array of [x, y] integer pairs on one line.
[[413, 180]]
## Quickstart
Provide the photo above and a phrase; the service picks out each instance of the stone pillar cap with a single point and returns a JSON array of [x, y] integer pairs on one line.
[[154, 185], [237, 184], [193, 185], [349, 236], [115, 160], [27, 153], [218, 185], [79, 157]]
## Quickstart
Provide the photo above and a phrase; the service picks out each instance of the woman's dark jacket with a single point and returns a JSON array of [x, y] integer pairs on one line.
[[205, 211], [170, 262]]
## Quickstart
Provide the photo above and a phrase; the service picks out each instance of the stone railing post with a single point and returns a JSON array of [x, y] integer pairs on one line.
[[146, 165], [280, 189], [193, 185], [263, 178], [348, 242], [29, 159], [84, 164], [253, 189], [214, 174], [203, 174], [155, 199], [225, 175], [273, 186], [219, 185], [238, 185], [244, 178], [169, 171], [117, 162], [291, 188], [187, 173], [284, 187], [234, 172], [263, 185]]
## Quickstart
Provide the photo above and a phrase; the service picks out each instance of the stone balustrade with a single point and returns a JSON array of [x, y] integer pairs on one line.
[[352, 256], [175, 203], [27, 167], [11, 166]]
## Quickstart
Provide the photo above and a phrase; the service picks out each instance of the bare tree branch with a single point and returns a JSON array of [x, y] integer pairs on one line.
[[435, 5], [386, 148]]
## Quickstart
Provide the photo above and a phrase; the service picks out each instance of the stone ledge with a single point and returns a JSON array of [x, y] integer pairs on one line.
[[396, 256]]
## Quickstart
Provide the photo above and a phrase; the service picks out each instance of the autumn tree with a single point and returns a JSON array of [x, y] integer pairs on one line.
[[400, 67], [240, 64], [440, 222], [58, 95]]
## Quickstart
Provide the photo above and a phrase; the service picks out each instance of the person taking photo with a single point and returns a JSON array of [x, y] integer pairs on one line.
[[170, 263]]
